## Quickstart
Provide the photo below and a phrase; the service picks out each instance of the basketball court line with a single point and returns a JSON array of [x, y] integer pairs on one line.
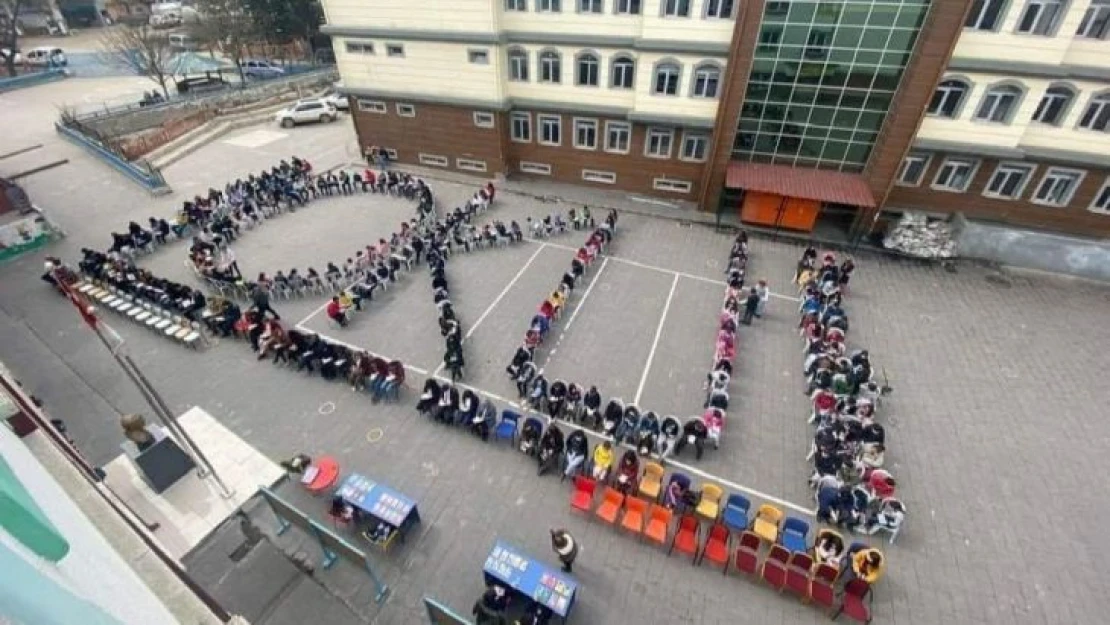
[[655, 341], [574, 315]]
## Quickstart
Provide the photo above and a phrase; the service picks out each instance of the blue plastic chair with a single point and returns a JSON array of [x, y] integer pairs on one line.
[[795, 534], [506, 428], [737, 508]]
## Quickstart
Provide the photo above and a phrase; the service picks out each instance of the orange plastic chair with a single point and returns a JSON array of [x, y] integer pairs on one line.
[[766, 524], [710, 505], [610, 505], [583, 496], [659, 523], [716, 546], [634, 509], [651, 484], [686, 538]]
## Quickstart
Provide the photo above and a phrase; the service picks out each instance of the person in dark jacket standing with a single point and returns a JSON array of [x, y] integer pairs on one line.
[[565, 547], [261, 298], [751, 306]]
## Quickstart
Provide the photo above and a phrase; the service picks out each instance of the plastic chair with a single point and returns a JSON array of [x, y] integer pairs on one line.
[[822, 589], [583, 496], [710, 505], [651, 484], [610, 505], [716, 546], [736, 512], [686, 538], [633, 519], [659, 523], [798, 573], [795, 534], [747, 554], [507, 427], [774, 567], [852, 603], [766, 524]]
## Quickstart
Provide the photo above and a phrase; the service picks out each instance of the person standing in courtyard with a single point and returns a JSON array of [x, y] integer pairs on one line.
[[751, 306], [260, 296], [565, 547]]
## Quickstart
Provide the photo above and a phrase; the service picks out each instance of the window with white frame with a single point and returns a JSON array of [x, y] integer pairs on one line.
[[518, 65], [550, 67], [618, 137], [1058, 186], [516, 5], [1101, 203], [360, 47], [540, 169], [587, 70], [585, 134], [433, 160], [998, 104], [549, 6], [589, 6], [955, 174], [594, 175], [947, 98], [658, 142], [478, 57], [406, 110], [390, 152], [707, 81], [1053, 105], [912, 169], [371, 106], [623, 74], [1096, 21], [985, 14], [1040, 17], [694, 147], [627, 7], [1097, 114], [470, 164], [667, 76], [394, 50], [482, 119], [1008, 181], [551, 129], [520, 127], [676, 8], [718, 8], [672, 185]]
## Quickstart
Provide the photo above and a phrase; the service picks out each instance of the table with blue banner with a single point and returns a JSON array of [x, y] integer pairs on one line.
[[536, 580], [380, 503]]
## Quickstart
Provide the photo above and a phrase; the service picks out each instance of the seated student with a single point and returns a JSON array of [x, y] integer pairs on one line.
[[271, 336], [828, 548], [490, 608], [602, 461], [865, 563], [336, 312], [360, 371], [347, 299]]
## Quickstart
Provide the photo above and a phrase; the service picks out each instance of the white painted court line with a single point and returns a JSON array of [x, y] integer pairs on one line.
[[358, 348], [655, 342], [312, 314], [555, 346]]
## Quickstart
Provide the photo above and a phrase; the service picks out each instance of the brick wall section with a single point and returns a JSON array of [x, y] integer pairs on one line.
[[1072, 219]]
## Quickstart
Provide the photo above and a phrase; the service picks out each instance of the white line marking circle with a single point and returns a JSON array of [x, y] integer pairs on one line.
[[327, 407]]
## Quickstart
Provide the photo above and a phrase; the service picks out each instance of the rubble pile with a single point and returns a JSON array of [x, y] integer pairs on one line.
[[918, 235]]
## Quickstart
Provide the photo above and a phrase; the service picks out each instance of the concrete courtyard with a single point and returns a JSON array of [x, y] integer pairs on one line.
[[994, 431]]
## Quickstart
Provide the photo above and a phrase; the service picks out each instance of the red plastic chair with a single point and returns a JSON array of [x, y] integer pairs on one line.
[[853, 604], [821, 586], [610, 505], [774, 567], [798, 573], [716, 546], [747, 554], [583, 496], [686, 538]]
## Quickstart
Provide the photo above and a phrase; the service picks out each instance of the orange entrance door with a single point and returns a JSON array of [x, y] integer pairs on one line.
[[763, 209]]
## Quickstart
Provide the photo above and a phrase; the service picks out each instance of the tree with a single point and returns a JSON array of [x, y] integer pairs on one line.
[[227, 25], [142, 49], [9, 33], [289, 20]]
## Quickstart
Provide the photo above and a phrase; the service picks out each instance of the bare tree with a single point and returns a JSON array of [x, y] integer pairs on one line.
[[227, 25], [141, 49], [9, 33]]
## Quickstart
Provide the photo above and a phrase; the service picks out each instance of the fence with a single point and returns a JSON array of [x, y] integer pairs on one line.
[[30, 80], [140, 172]]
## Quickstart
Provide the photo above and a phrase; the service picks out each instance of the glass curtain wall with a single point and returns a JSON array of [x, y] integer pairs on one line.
[[823, 79]]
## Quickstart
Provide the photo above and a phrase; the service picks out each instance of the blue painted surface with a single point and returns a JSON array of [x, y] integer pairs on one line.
[[153, 181], [534, 579], [30, 80]]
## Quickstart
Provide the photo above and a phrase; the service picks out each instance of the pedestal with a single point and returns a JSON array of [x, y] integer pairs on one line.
[[161, 464]]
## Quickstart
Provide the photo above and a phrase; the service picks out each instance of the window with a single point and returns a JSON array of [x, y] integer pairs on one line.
[[589, 6], [1008, 181], [406, 110], [371, 106], [516, 5], [585, 134], [777, 8], [1058, 186], [550, 69], [360, 47], [676, 8], [666, 79], [912, 169], [985, 14], [521, 127], [542, 169], [947, 98], [694, 147], [624, 72], [628, 7], [394, 50], [588, 70], [549, 6], [1040, 16], [518, 65], [479, 57], [817, 44], [955, 174], [551, 127], [998, 104], [483, 119], [433, 159], [707, 80], [1096, 21], [1101, 204], [618, 136], [672, 185], [718, 8], [1097, 115], [604, 177], [1053, 105], [470, 164], [658, 143]]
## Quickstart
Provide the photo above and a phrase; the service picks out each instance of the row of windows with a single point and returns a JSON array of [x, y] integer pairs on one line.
[[1000, 102], [711, 9], [1041, 17], [1009, 180], [586, 134], [672, 185], [395, 50], [375, 106], [666, 76]]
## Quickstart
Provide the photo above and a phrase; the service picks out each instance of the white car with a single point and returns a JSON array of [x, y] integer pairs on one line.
[[307, 111], [338, 100], [261, 69], [46, 56]]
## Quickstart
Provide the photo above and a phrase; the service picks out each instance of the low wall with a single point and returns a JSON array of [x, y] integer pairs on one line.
[[148, 177], [30, 80], [136, 146], [1085, 258]]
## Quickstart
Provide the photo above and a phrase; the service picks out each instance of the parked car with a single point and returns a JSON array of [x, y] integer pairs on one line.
[[316, 110], [46, 56], [261, 69], [337, 100], [182, 41]]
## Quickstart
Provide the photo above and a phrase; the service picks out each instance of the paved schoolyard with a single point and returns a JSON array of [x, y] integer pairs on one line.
[[993, 428]]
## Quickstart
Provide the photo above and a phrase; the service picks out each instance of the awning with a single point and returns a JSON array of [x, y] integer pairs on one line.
[[811, 184]]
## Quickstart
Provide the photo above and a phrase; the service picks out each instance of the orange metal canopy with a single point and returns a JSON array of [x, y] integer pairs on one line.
[[811, 184]]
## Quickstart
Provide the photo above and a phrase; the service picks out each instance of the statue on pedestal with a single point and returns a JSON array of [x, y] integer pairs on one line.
[[134, 428]]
